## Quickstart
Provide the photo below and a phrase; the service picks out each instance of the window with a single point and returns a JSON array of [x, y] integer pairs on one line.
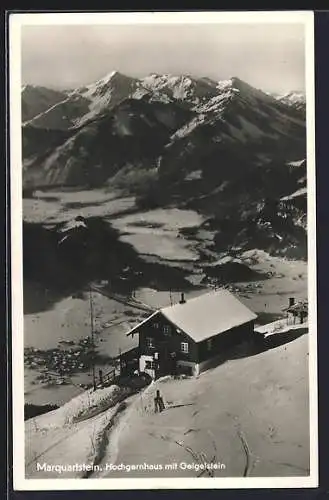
[[209, 344], [184, 347], [166, 330], [156, 325], [149, 365], [150, 343]]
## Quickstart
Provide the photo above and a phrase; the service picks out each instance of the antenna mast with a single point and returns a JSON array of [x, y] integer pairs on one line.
[[92, 338]]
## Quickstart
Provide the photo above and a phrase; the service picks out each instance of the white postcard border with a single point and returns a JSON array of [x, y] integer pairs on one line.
[[16, 21]]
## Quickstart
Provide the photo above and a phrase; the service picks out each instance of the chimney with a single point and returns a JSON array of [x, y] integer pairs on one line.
[[182, 298], [291, 301]]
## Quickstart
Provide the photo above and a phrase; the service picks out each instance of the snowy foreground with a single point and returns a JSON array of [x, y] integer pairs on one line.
[[246, 417], [73, 433]]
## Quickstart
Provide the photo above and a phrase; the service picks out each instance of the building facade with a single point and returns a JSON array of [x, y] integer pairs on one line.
[[171, 342]]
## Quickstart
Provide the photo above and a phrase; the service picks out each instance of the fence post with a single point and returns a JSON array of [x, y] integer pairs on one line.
[[158, 403]]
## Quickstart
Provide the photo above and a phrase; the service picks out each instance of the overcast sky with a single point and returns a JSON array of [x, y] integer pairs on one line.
[[270, 57]]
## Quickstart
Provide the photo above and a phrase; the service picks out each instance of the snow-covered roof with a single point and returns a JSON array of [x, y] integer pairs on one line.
[[133, 330], [209, 314], [205, 316]]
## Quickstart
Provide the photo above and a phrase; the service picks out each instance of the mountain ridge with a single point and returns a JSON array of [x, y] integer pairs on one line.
[[229, 118], [89, 100]]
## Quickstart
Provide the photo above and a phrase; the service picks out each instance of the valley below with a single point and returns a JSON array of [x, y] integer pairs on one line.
[[164, 251]]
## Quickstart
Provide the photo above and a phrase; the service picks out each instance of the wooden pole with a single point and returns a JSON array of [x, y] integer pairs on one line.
[[92, 339]]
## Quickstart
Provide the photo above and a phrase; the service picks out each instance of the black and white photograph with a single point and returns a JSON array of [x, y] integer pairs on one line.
[[163, 250]]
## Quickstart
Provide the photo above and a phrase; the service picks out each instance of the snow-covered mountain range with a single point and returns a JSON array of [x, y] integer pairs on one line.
[[173, 125], [47, 108], [225, 148]]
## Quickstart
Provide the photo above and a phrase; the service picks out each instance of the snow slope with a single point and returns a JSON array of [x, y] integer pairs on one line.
[[73, 431], [250, 413], [257, 403]]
